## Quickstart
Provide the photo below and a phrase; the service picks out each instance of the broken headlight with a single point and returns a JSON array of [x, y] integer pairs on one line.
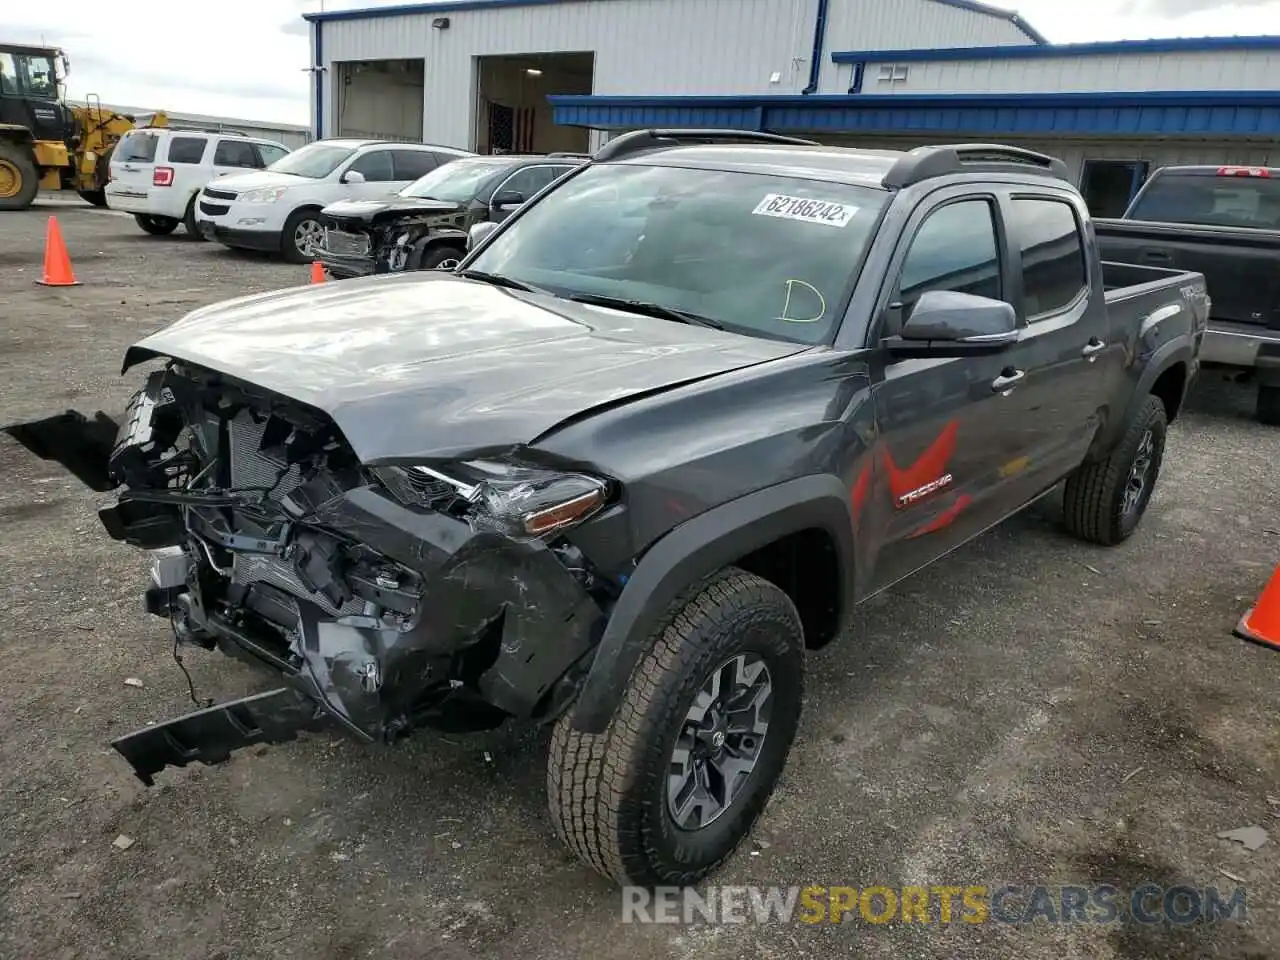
[[518, 501]]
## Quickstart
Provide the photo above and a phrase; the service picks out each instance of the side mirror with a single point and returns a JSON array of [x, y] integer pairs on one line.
[[353, 176], [949, 323], [505, 201], [479, 233]]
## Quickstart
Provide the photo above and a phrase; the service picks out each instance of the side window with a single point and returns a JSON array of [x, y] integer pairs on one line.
[[186, 149], [235, 153], [412, 164], [1053, 265], [8, 74], [528, 181], [954, 249], [375, 165], [270, 153]]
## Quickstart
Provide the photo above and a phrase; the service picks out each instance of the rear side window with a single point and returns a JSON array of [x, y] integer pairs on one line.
[[186, 149], [1053, 265], [235, 153], [954, 249], [412, 164], [137, 148], [375, 165], [1215, 201]]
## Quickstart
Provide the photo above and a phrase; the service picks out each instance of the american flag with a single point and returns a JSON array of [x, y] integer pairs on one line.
[[510, 128]]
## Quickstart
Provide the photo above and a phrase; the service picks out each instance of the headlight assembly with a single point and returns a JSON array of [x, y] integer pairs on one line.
[[269, 195], [521, 502]]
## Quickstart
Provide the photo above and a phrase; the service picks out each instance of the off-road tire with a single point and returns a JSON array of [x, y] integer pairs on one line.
[[189, 219], [434, 256], [156, 226], [1268, 409], [21, 161], [96, 198], [608, 793], [1094, 500]]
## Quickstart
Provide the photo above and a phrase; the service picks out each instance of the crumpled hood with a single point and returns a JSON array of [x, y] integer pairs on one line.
[[426, 365], [365, 211]]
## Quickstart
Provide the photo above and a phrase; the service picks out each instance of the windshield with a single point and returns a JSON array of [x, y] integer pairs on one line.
[[457, 181], [760, 254], [1216, 201], [315, 160]]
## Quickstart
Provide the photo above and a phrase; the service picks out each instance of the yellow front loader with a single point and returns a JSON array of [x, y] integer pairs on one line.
[[46, 142]]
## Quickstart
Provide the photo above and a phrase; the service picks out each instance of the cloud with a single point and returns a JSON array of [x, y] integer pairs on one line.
[[1175, 9], [296, 27]]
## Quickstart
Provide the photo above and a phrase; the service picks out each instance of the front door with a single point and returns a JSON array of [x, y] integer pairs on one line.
[[949, 441]]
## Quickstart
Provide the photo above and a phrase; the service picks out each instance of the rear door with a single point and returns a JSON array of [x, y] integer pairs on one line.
[[948, 429], [133, 162], [1066, 353]]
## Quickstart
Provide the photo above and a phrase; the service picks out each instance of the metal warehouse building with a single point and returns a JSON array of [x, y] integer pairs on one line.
[[548, 75]]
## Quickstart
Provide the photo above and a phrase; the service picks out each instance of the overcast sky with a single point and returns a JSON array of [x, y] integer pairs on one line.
[[245, 58]]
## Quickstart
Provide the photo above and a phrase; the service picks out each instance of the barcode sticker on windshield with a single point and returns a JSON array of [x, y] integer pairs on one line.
[[827, 212]]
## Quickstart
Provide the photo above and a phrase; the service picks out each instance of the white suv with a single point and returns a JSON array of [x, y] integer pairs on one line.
[[278, 210], [157, 172]]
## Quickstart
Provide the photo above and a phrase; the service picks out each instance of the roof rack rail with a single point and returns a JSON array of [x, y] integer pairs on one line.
[[925, 163], [640, 140]]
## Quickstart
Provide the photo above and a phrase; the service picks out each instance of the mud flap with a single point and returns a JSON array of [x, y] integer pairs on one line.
[[209, 736], [81, 445]]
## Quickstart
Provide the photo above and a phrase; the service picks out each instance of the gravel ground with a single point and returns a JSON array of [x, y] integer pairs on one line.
[[1031, 711]]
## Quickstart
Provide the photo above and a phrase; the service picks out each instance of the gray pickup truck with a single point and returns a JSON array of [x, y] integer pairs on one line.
[[1222, 222], [657, 436]]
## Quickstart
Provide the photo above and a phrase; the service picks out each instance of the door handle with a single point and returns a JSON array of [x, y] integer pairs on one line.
[[1158, 256], [1091, 349], [1007, 381]]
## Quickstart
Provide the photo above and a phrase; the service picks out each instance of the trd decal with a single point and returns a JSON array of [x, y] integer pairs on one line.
[[927, 475]]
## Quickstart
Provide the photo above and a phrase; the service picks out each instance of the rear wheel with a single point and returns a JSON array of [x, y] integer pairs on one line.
[[1104, 501], [1269, 404], [302, 236], [19, 179], [156, 226], [96, 197], [697, 744]]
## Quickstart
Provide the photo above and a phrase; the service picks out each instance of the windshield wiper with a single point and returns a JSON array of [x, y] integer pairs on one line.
[[648, 309], [498, 280]]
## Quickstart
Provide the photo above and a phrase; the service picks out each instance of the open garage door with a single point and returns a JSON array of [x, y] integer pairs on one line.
[[380, 99], [512, 112]]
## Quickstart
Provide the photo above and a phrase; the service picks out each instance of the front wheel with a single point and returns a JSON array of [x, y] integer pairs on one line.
[[1104, 501], [156, 226], [19, 178], [302, 236], [441, 258], [697, 743]]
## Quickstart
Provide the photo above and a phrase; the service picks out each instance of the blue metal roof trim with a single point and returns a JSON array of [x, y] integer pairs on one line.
[[1034, 35], [409, 9], [1160, 113], [1032, 51]]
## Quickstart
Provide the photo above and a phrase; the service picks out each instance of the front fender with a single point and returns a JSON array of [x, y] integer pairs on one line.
[[693, 551]]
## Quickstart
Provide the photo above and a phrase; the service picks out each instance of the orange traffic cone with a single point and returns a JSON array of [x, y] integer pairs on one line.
[[1262, 623], [317, 272], [57, 264]]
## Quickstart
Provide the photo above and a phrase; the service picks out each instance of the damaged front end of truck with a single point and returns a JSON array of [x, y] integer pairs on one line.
[[386, 596]]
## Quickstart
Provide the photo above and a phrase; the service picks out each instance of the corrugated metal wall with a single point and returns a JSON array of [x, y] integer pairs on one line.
[[641, 47], [1234, 70], [652, 47], [906, 24]]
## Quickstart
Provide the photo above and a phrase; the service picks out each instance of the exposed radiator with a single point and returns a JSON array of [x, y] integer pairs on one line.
[[249, 468]]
